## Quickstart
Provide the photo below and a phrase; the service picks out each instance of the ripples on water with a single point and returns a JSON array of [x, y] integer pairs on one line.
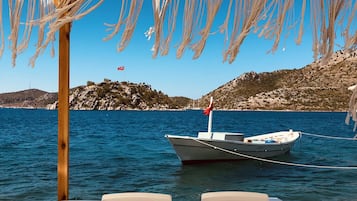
[[120, 151]]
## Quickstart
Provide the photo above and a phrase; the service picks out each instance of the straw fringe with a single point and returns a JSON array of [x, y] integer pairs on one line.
[[129, 22], [352, 110], [251, 11], [188, 21], [159, 17], [350, 40], [212, 9], [168, 8], [2, 40], [49, 19], [301, 27], [171, 27], [279, 25], [269, 19], [14, 13]]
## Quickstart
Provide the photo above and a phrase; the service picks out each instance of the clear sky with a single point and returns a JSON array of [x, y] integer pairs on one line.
[[92, 59]]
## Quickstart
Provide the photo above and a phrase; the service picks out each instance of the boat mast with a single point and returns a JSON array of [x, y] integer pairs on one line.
[[209, 129]]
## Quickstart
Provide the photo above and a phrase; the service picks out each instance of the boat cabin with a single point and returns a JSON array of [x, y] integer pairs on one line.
[[221, 136]]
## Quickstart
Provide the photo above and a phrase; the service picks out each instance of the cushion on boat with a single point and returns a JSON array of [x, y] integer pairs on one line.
[[234, 196], [136, 196]]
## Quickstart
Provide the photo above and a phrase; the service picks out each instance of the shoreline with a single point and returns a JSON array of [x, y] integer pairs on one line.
[[183, 109]]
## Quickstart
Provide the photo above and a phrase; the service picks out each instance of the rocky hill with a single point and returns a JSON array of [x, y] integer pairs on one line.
[[109, 95], [31, 98], [317, 86]]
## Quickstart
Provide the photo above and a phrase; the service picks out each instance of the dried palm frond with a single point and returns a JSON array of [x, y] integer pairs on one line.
[[48, 15], [352, 110], [242, 17], [129, 22]]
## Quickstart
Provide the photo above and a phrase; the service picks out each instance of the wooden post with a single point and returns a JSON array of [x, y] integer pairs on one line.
[[63, 113]]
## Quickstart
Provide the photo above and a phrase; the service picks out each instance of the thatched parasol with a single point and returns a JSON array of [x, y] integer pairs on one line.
[[267, 18]]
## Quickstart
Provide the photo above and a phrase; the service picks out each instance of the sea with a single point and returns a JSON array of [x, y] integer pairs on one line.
[[126, 151]]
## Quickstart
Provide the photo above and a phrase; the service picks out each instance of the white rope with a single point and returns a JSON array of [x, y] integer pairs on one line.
[[276, 162], [330, 137]]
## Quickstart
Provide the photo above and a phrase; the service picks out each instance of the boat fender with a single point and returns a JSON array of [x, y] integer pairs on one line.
[[270, 141]]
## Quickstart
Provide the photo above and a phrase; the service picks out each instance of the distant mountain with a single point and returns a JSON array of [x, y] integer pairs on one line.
[[317, 86], [31, 98]]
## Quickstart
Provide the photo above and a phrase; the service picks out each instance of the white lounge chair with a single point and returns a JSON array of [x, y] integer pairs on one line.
[[234, 196], [136, 196]]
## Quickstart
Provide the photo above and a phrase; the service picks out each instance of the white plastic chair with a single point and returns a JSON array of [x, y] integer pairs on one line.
[[234, 196], [136, 196]]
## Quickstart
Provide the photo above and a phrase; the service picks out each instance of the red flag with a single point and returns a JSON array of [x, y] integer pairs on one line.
[[121, 68], [208, 109]]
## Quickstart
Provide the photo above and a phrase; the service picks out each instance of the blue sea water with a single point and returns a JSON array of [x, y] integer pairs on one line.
[[121, 151]]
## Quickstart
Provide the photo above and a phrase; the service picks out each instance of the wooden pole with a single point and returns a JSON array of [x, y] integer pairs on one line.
[[63, 113]]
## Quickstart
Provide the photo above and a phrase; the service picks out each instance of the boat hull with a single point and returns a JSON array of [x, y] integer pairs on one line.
[[194, 150]]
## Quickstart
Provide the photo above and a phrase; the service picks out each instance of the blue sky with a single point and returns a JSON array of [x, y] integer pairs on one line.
[[94, 59]]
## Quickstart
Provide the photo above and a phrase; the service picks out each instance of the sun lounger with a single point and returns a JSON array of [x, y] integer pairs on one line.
[[136, 196], [234, 196]]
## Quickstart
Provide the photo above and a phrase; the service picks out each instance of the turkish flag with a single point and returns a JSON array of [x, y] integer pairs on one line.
[[121, 68], [208, 109]]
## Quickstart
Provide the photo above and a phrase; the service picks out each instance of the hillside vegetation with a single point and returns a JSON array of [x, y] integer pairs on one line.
[[31, 98], [314, 87]]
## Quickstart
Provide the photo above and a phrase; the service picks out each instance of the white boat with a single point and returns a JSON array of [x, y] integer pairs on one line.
[[220, 146]]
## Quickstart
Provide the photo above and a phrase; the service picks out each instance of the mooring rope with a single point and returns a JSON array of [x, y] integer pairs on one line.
[[329, 137], [276, 162]]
